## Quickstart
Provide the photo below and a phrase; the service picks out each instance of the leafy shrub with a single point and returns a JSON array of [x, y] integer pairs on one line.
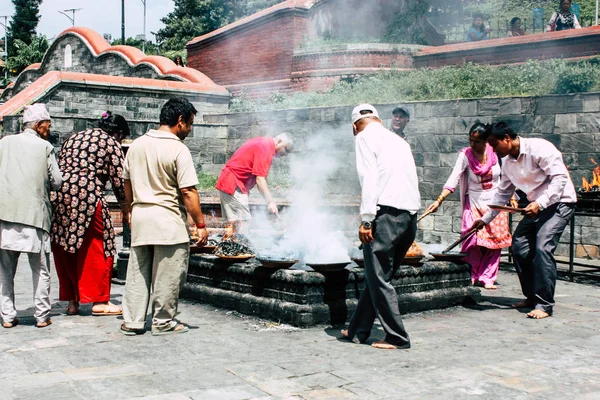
[[533, 78], [575, 81], [206, 181]]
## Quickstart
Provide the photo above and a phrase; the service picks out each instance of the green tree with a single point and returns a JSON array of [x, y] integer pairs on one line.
[[27, 54], [191, 18], [24, 23]]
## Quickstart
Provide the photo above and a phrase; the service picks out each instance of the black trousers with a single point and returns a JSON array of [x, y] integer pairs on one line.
[[394, 231], [533, 246]]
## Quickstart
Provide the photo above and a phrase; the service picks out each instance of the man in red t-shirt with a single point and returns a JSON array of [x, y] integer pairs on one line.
[[249, 166]]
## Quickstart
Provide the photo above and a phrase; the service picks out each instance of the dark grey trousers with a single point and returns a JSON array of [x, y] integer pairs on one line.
[[533, 246], [394, 232]]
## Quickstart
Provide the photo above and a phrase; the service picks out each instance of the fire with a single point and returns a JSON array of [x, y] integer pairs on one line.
[[594, 185]]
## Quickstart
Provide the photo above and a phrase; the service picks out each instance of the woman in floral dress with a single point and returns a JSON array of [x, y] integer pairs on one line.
[[83, 239]]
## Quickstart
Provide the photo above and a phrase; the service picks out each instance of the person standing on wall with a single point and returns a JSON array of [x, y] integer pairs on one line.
[[83, 238], [390, 200], [563, 19], [537, 168], [249, 166], [160, 184], [28, 171], [400, 118]]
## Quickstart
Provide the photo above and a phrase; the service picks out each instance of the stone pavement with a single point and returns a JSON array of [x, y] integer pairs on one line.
[[485, 351]]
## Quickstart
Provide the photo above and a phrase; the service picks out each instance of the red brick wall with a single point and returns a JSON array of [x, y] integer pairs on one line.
[[351, 59], [263, 52], [564, 44]]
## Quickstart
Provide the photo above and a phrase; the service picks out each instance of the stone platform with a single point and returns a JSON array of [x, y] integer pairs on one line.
[[304, 298]]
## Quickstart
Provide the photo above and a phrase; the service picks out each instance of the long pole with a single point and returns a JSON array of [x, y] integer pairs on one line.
[[144, 42], [5, 25], [123, 22]]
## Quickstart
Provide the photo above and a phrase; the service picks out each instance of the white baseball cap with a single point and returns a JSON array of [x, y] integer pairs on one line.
[[357, 115]]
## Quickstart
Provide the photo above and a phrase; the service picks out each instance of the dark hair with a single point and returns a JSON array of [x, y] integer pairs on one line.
[[174, 108], [479, 15], [483, 130], [514, 20], [501, 129], [113, 123]]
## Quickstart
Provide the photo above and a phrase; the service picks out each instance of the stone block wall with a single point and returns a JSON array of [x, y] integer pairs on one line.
[[436, 132]]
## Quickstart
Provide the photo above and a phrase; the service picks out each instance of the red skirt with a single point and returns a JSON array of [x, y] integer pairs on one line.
[[84, 276]]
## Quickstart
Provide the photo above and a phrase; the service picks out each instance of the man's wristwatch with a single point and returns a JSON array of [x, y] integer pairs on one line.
[[367, 224]]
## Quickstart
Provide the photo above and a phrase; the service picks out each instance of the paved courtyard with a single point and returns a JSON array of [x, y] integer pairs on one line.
[[487, 351]]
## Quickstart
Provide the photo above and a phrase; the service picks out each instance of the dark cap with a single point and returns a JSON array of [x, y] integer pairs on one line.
[[399, 110]]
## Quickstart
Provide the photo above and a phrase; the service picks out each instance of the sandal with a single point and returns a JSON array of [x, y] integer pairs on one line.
[[12, 324], [179, 328], [130, 331], [43, 324], [107, 310]]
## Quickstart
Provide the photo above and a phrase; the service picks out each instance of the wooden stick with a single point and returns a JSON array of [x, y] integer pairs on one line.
[[423, 216], [459, 241]]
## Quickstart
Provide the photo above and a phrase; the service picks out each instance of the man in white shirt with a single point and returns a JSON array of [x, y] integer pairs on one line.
[[536, 167], [28, 171], [390, 200]]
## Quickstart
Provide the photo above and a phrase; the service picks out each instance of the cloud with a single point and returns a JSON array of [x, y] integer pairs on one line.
[[103, 16]]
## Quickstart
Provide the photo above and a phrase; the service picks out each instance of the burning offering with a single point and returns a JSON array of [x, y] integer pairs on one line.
[[235, 248], [591, 188]]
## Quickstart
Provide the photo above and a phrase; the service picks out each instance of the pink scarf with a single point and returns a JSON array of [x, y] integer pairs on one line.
[[478, 168]]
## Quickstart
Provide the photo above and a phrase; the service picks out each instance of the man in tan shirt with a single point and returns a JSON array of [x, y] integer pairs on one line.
[[160, 184]]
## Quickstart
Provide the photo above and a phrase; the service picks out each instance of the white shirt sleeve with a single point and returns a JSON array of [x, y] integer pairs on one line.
[[552, 21], [576, 23], [366, 166], [505, 191], [459, 168], [550, 161]]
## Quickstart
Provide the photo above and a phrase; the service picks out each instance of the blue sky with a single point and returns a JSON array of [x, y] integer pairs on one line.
[[103, 16]]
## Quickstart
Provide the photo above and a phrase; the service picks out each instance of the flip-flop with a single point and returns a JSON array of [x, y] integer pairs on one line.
[[12, 324], [43, 324], [171, 331], [129, 331], [107, 311]]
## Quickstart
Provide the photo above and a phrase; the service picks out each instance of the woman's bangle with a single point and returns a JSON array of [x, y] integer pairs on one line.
[[200, 226], [440, 198]]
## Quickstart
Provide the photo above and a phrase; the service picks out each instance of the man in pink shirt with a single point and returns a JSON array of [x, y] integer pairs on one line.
[[249, 166], [536, 167]]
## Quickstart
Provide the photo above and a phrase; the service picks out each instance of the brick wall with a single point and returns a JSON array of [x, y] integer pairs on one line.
[[260, 53]]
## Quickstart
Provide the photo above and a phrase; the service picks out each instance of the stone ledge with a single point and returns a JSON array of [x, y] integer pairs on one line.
[[307, 298]]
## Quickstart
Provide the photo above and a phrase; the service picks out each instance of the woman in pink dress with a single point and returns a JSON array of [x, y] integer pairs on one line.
[[478, 171]]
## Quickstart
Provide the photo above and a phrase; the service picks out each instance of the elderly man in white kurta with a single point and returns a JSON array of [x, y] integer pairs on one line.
[[28, 171]]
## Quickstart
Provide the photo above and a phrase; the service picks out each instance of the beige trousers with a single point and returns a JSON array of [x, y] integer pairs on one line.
[[162, 271], [40, 273]]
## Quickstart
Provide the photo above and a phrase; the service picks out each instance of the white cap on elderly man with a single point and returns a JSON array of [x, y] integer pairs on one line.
[[35, 112], [356, 113]]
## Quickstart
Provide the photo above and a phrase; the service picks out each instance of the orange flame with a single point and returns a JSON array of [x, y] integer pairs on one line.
[[586, 185]]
